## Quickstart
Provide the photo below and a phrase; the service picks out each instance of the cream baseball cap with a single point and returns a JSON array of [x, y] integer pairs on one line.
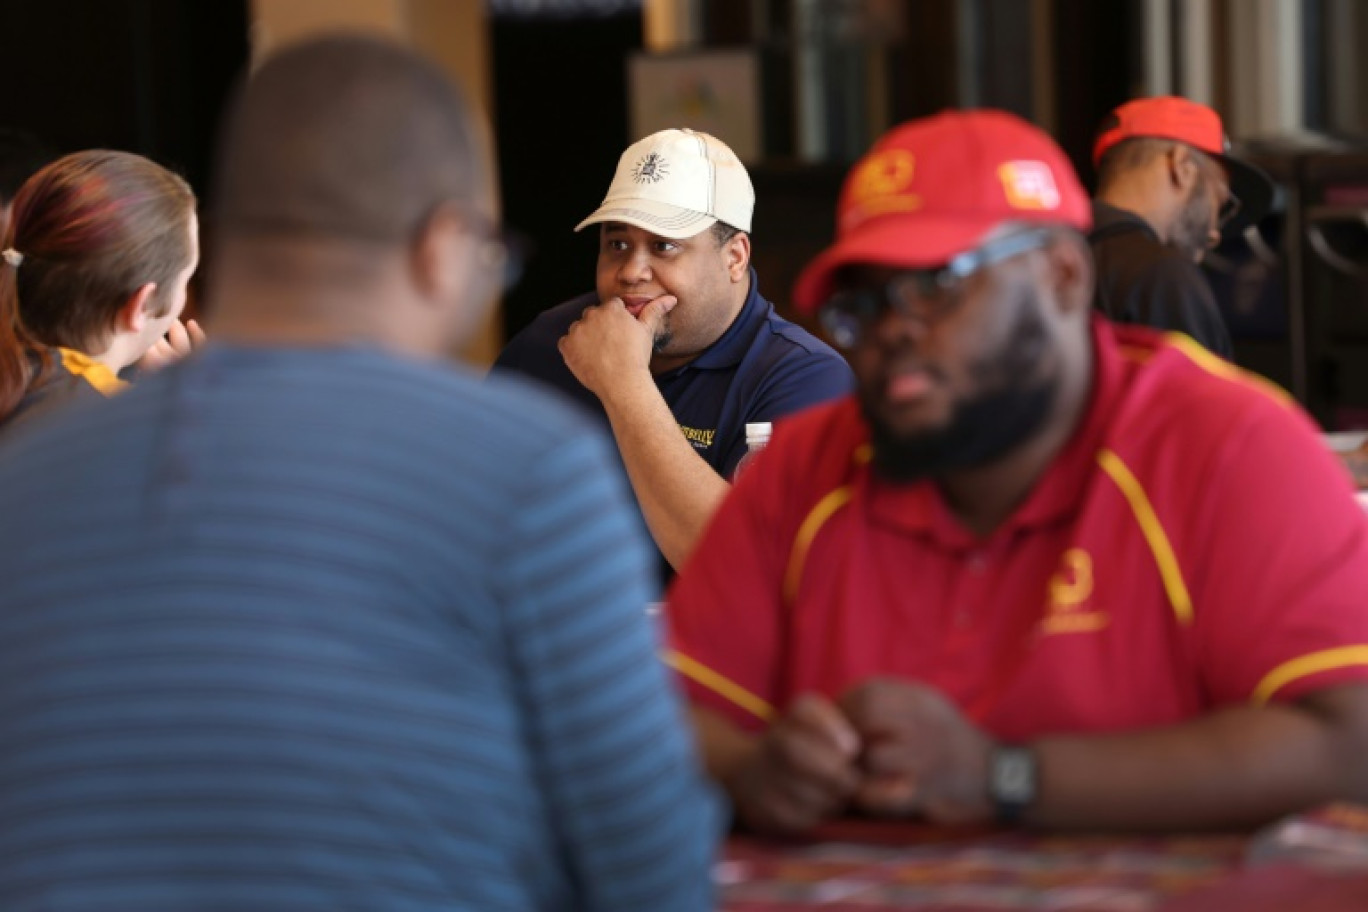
[[676, 183]]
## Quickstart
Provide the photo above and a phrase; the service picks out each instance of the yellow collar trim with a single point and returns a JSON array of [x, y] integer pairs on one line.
[[93, 372]]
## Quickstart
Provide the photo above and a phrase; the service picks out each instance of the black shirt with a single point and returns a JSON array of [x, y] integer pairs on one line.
[[1141, 280]]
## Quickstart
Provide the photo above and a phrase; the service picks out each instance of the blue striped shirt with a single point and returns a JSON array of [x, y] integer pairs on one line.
[[323, 629]]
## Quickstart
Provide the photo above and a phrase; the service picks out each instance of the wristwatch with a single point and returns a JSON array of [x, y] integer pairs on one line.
[[1012, 779]]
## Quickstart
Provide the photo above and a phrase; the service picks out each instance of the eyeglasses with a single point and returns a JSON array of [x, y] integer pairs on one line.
[[500, 249], [925, 295], [1215, 175]]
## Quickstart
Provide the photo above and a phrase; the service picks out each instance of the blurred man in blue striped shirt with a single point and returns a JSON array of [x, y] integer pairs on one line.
[[311, 621]]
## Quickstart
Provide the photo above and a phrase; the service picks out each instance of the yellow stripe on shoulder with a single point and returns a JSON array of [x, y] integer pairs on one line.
[[1304, 666], [1220, 367], [719, 684], [807, 531], [98, 375], [1153, 530]]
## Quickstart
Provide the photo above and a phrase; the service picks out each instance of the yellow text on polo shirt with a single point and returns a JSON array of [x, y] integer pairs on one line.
[[701, 439]]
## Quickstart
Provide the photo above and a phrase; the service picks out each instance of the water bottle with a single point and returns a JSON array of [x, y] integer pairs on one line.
[[757, 435]]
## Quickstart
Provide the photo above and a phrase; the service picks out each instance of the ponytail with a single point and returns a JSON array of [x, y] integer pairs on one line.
[[17, 348]]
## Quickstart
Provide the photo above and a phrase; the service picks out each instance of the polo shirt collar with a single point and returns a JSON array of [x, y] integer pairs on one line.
[[96, 373], [1108, 219], [731, 347], [921, 508]]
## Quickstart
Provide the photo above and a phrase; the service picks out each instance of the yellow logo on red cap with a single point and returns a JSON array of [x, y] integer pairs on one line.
[[1029, 185], [879, 184]]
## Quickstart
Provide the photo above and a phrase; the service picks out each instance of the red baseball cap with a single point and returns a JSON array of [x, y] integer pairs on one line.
[[933, 188], [1186, 121]]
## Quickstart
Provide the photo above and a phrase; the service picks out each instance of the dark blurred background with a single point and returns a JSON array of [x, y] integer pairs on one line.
[[559, 79]]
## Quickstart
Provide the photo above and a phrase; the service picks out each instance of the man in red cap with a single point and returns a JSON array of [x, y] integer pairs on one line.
[[1167, 190], [1034, 569]]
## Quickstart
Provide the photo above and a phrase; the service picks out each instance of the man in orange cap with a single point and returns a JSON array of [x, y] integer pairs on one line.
[[1034, 568], [1167, 190]]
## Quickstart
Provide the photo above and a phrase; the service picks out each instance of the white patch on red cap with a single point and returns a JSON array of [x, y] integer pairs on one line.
[[1029, 185]]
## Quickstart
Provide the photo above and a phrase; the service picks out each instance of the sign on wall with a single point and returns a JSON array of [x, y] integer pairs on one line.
[[716, 92]]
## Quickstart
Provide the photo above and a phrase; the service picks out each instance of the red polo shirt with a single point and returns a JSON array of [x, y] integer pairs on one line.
[[1194, 545]]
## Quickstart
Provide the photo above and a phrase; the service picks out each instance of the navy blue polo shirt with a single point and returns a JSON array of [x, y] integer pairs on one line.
[[761, 369]]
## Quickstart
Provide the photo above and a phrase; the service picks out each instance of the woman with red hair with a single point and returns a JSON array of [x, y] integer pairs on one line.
[[93, 274]]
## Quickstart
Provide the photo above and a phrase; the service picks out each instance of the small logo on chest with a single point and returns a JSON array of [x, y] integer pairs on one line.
[[700, 438], [1069, 607]]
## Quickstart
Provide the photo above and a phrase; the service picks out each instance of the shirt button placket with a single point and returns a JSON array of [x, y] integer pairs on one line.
[[976, 563]]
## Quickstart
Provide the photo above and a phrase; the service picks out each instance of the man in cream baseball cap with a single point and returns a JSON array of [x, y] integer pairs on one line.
[[676, 348]]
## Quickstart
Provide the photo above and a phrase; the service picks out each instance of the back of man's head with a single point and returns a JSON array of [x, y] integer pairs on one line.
[[1127, 158], [345, 137]]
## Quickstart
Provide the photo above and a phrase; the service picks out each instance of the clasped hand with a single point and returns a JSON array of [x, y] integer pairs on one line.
[[889, 748]]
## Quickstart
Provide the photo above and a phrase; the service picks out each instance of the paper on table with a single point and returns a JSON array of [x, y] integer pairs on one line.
[[1344, 441]]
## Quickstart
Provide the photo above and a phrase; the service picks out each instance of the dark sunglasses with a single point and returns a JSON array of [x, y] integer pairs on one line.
[[925, 295]]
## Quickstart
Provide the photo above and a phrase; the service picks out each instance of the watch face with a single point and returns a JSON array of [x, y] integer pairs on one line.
[[1014, 775]]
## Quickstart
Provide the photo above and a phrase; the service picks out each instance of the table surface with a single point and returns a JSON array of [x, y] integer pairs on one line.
[[877, 867]]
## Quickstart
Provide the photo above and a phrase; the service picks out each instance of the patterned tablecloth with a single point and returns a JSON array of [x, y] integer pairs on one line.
[[873, 868]]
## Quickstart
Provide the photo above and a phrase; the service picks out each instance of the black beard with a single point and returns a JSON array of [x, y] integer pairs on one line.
[[1014, 404], [982, 430], [664, 336], [1189, 235]]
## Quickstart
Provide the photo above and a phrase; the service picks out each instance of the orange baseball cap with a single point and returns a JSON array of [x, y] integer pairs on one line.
[[1186, 121], [934, 188]]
